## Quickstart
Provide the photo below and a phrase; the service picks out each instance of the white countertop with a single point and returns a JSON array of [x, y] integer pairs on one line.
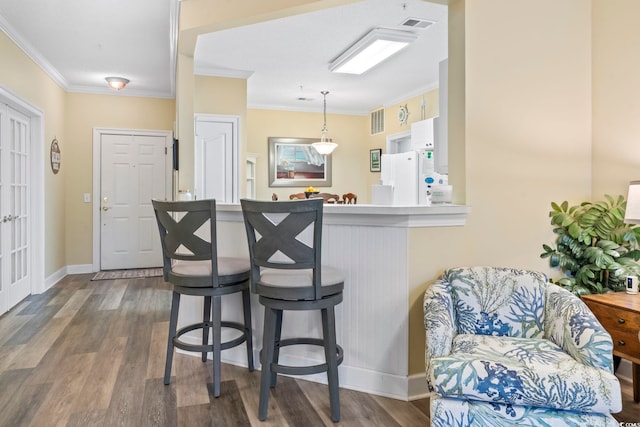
[[378, 215]]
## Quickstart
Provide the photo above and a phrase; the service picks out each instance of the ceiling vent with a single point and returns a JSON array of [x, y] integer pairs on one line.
[[377, 121], [417, 23]]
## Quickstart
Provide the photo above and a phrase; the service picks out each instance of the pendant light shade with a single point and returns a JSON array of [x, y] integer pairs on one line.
[[325, 145]]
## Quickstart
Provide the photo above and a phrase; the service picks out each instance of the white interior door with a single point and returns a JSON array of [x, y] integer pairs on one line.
[[15, 261], [133, 171], [216, 159]]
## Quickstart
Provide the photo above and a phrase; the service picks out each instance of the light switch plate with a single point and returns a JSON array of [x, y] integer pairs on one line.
[[87, 197]]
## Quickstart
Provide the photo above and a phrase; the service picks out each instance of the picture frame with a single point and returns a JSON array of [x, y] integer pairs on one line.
[[375, 159], [293, 162]]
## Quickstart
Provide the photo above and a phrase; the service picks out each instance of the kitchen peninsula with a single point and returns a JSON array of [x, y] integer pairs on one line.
[[370, 243]]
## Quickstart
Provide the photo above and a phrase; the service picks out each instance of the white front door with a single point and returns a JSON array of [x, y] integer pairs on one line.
[[216, 158], [133, 171], [15, 222]]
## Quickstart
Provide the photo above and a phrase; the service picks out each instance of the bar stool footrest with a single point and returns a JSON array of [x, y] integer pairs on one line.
[[199, 348], [304, 370]]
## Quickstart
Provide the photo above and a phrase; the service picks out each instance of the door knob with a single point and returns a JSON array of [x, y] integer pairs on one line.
[[104, 206]]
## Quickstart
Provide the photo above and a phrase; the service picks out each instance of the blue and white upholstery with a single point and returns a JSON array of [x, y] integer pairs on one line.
[[505, 347]]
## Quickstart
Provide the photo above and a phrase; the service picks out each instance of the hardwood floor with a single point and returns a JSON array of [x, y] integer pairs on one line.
[[92, 354]]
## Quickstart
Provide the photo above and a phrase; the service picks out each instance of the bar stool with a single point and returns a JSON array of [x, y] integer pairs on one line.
[[287, 274], [192, 266]]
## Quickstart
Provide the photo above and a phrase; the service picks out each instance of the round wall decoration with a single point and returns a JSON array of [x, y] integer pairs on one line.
[[55, 156], [403, 114]]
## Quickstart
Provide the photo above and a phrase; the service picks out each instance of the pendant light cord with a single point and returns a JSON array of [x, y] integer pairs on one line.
[[324, 126]]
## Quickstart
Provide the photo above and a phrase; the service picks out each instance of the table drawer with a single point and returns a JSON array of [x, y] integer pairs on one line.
[[622, 325], [626, 343]]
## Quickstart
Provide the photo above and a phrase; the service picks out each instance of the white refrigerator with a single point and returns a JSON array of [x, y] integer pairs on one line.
[[402, 179]]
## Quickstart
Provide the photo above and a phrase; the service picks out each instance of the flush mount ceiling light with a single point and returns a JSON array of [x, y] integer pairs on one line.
[[325, 146], [117, 83], [376, 46]]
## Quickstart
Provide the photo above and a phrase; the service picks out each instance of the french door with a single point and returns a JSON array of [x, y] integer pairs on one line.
[[15, 261]]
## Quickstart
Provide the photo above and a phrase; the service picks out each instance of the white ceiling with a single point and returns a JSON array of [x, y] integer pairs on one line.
[[289, 57], [80, 42]]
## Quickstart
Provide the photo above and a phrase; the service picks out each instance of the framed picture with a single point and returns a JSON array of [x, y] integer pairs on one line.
[[374, 159], [293, 162]]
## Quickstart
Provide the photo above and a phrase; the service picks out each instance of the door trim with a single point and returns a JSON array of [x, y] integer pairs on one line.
[[97, 169], [38, 238]]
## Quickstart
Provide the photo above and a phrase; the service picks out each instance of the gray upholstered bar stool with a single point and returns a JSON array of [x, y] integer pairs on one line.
[[287, 274], [192, 266]]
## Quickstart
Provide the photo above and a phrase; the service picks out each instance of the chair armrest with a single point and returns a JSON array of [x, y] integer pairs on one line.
[[439, 322], [571, 325]]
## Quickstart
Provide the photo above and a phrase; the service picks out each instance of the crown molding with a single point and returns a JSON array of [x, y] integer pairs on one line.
[[412, 94], [98, 90], [205, 70], [302, 109], [32, 53]]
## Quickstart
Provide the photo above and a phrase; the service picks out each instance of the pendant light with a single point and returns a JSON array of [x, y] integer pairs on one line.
[[325, 146]]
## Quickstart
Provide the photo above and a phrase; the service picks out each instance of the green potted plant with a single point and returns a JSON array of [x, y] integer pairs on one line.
[[594, 247]]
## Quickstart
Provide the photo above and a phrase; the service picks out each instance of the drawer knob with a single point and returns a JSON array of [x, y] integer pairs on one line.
[[621, 321], [621, 342]]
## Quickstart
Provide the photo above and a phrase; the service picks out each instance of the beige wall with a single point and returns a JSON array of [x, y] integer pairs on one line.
[[527, 140], [214, 95], [616, 106], [83, 113], [71, 117], [350, 161]]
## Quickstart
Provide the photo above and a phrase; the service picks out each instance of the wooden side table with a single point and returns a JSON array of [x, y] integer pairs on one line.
[[619, 314]]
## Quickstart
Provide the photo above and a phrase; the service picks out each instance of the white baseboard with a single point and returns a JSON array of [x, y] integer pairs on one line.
[[80, 269], [54, 278], [417, 387], [69, 269], [353, 378]]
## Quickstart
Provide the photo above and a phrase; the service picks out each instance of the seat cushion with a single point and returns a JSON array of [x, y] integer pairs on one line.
[[230, 270], [498, 301], [525, 372], [297, 284], [457, 412]]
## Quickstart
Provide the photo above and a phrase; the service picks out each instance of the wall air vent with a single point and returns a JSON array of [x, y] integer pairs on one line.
[[377, 121], [417, 23]]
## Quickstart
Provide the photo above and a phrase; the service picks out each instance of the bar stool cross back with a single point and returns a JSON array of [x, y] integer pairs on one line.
[[192, 266], [287, 274]]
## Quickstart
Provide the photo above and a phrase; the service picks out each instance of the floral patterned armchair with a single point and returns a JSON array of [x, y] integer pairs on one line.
[[505, 347]]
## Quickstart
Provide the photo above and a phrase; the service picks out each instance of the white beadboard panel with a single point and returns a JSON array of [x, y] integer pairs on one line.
[[372, 321]]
